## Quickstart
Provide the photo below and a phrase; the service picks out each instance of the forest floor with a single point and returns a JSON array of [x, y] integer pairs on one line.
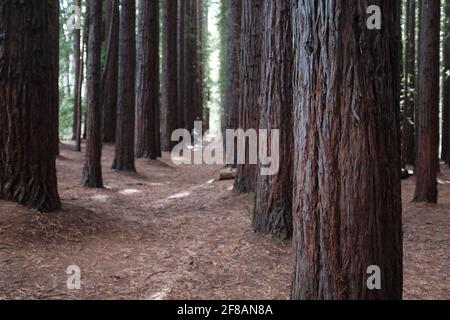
[[171, 232]]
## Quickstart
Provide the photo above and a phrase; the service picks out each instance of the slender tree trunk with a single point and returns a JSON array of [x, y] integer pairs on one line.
[[169, 70], [92, 174], [446, 79], [28, 100], [80, 87], [347, 199], [232, 71], [199, 62], [124, 156], [147, 104], [428, 104], [110, 74], [181, 38], [273, 210], [408, 152], [250, 75], [188, 69], [77, 67]]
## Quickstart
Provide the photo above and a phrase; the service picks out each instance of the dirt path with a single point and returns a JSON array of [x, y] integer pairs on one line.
[[174, 233]]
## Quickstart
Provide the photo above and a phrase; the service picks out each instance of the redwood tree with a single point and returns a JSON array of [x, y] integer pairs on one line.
[[181, 38], [110, 73], [446, 79], [428, 104], [231, 91], [77, 67], [347, 199], [250, 74], [147, 103], [273, 210], [124, 156], [169, 71], [408, 152], [28, 102], [92, 174]]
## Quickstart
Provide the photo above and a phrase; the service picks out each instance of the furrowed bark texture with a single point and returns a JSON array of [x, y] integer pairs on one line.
[[446, 78], [347, 198], [124, 156], [250, 75], [110, 74], [273, 210], [92, 173], [147, 104], [428, 104], [169, 100], [408, 152], [232, 92], [28, 102]]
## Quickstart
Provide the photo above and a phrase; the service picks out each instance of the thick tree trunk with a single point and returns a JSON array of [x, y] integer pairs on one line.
[[92, 173], [428, 104], [28, 102], [110, 74], [124, 156], [147, 104], [273, 210], [169, 71], [347, 198], [446, 80], [408, 152], [250, 75]]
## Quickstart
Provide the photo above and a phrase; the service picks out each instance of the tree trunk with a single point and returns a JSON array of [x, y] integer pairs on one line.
[[169, 71], [428, 104], [408, 152], [232, 72], [273, 210], [77, 67], [80, 82], [55, 83], [181, 38], [250, 75], [124, 156], [92, 173], [446, 79], [188, 69], [148, 137], [110, 74], [28, 99], [347, 209]]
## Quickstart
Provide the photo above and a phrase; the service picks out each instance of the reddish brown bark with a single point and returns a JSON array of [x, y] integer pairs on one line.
[[169, 100], [181, 38], [250, 74], [408, 152], [347, 198], [110, 73], [92, 173], [273, 210], [28, 102], [77, 67], [446, 84], [147, 104], [428, 104], [124, 155]]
